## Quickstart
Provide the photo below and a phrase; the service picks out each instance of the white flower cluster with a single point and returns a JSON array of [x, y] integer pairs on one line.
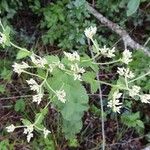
[[145, 98], [72, 57], [38, 61], [114, 102], [54, 65], [77, 71], [2, 38], [59, 65], [134, 91], [10, 128], [37, 98], [28, 130], [89, 32], [46, 132], [35, 87], [125, 72], [19, 68], [127, 56], [107, 51], [61, 95]]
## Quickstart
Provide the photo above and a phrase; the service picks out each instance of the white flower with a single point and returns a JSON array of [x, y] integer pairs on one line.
[[77, 77], [10, 128], [145, 98], [37, 98], [38, 61], [29, 136], [129, 74], [125, 72], [127, 56], [2, 38], [46, 132], [76, 56], [72, 57], [19, 68], [51, 67], [89, 32], [110, 53], [59, 65], [107, 51], [76, 68], [29, 131], [61, 95], [134, 91], [34, 85], [77, 71], [114, 103]]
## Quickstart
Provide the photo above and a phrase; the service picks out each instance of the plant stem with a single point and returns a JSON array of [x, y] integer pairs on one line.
[[100, 96], [41, 114], [91, 58], [32, 74], [44, 79], [20, 48], [108, 63], [50, 87], [126, 81], [2, 25], [103, 82], [140, 77]]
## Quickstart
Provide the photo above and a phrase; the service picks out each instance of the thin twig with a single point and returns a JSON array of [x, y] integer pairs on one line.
[[101, 101], [128, 41]]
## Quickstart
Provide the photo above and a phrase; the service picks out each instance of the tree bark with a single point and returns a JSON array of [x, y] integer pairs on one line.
[[128, 41]]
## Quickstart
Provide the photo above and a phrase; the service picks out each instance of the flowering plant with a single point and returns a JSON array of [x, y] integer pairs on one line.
[[63, 78]]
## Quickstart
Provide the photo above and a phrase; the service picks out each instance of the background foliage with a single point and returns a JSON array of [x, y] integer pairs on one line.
[[59, 25]]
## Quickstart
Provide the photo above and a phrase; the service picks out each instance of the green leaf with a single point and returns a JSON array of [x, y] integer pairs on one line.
[[4, 144], [140, 123], [40, 116], [6, 74], [121, 83], [76, 102], [23, 53], [89, 77], [87, 63], [2, 88], [132, 7], [20, 105], [73, 142], [26, 122]]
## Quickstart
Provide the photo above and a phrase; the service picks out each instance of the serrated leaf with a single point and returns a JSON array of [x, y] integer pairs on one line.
[[76, 102], [23, 53], [71, 128], [132, 7]]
